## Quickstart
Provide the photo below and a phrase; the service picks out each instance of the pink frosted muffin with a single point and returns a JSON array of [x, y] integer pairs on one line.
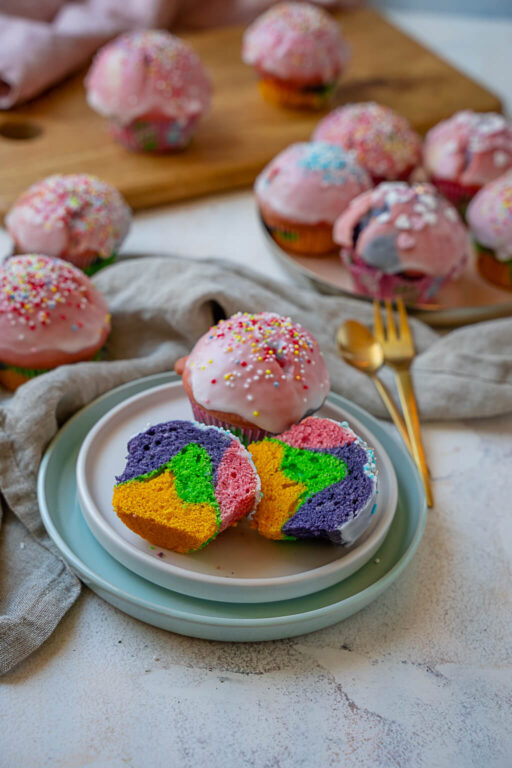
[[299, 54], [153, 88], [302, 192], [50, 314], [467, 151], [489, 216], [75, 217], [402, 240], [383, 143], [255, 375]]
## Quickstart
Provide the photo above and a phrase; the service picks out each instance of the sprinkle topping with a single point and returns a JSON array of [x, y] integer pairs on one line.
[[261, 363], [38, 291], [383, 142], [89, 214]]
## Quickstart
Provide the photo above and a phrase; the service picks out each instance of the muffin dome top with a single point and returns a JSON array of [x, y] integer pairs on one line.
[[471, 148], [264, 367], [144, 72], [489, 216], [296, 41], [49, 310], [382, 142], [398, 227], [311, 182], [70, 216]]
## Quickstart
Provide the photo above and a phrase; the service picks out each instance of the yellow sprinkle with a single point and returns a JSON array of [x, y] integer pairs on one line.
[[298, 378], [268, 370], [255, 413], [260, 358]]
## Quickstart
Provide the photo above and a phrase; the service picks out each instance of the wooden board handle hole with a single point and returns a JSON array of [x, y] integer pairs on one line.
[[20, 131]]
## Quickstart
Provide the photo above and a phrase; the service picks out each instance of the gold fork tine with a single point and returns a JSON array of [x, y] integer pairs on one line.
[[390, 320], [405, 330], [378, 328]]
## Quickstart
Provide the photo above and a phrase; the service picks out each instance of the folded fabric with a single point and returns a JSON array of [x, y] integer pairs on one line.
[[160, 307], [42, 41]]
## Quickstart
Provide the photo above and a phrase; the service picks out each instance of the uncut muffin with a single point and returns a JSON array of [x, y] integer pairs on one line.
[[318, 479], [184, 483], [75, 217], [153, 88], [401, 240], [303, 190], [489, 216], [50, 314], [299, 54], [383, 143], [255, 375], [467, 151]]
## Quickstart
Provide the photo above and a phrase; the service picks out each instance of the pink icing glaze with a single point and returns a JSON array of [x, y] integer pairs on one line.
[[296, 42], [50, 313], [263, 367], [237, 485], [318, 433], [383, 142], [411, 227], [470, 148], [489, 216], [310, 183], [144, 73], [76, 217]]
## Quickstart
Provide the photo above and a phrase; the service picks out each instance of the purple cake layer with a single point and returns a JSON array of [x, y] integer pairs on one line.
[[156, 446]]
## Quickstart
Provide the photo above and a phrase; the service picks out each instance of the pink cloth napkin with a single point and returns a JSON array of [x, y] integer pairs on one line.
[[42, 41]]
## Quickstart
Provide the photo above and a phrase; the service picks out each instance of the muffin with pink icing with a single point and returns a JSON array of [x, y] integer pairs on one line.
[[153, 88], [299, 54], [50, 314], [383, 143], [489, 216], [303, 190], [401, 240], [255, 374], [74, 217], [467, 151]]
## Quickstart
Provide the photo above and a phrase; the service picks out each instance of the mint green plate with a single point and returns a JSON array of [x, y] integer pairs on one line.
[[207, 619]]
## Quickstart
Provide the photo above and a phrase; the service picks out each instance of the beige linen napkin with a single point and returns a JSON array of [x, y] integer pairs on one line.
[[160, 306]]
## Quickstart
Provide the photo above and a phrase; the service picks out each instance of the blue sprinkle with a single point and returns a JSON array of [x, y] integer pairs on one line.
[[276, 383], [74, 327]]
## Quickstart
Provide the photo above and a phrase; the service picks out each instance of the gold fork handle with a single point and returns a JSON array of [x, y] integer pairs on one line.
[[408, 400], [392, 410]]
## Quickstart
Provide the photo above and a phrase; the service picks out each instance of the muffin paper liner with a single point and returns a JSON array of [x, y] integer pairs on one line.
[[456, 193], [245, 435], [154, 135]]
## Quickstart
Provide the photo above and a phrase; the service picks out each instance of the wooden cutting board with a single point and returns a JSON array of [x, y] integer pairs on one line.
[[59, 133]]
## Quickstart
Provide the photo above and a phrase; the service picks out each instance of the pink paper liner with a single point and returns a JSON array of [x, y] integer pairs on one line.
[[246, 436], [144, 135], [372, 282], [459, 195]]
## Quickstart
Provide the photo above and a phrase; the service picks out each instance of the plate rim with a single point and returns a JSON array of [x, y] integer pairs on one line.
[[214, 621], [212, 580]]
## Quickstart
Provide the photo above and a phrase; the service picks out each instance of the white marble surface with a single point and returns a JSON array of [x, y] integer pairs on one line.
[[421, 678]]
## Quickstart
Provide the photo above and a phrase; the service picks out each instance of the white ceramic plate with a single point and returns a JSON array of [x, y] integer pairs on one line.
[[240, 565]]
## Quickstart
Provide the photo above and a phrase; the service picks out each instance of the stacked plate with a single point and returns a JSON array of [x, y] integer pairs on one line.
[[242, 586]]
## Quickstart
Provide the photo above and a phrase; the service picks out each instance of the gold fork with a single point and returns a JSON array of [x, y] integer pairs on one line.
[[398, 347]]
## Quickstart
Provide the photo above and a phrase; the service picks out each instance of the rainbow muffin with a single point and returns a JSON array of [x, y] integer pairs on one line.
[[299, 54], [303, 190], [255, 375], [75, 217], [153, 88], [184, 483], [50, 314], [463, 153], [489, 217], [319, 480], [401, 240], [383, 143]]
